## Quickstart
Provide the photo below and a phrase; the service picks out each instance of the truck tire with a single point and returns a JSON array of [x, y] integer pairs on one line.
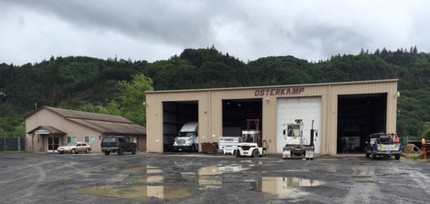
[[237, 153], [133, 151], [397, 157], [107, 153], [255, 153], [121, 151]]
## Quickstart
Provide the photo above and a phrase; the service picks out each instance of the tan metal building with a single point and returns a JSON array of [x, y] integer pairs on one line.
[[48, 128], [350, 110]]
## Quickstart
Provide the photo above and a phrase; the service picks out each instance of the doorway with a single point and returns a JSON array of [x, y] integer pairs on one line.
[[53, 143]]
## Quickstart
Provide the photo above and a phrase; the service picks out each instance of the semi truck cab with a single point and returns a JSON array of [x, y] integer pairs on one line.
[[187, 139]]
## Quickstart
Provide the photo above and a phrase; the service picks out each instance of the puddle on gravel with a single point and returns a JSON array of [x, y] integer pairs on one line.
[[136, 193], [141, 169], [217, 170], [209, 177], [363, 179], [285, 187]]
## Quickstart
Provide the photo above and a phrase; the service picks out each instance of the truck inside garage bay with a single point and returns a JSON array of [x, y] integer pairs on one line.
[[351, 110]]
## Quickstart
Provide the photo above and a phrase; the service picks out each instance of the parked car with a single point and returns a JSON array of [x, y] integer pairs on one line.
[[118, 144], [74, 148]]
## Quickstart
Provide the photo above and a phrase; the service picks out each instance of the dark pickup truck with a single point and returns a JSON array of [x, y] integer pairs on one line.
[[118, 144]]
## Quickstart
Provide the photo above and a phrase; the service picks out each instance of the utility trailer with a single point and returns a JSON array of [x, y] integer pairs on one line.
[[229, 144], [296, 146]]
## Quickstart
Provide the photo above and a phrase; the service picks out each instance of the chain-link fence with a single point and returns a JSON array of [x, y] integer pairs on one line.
[[12, 144]]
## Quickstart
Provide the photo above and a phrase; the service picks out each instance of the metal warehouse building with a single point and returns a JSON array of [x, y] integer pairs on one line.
[[350, 110]]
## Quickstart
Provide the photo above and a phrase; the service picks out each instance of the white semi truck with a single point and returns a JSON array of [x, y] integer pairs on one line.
[[187, 139], [297, 146]]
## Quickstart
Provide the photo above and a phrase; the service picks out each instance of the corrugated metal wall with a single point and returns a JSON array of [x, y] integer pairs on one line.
[[210, 109]]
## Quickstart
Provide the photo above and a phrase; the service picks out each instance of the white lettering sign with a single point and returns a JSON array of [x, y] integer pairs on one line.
[[42, 132]]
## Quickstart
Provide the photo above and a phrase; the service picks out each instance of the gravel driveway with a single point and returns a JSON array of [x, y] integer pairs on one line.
[[200, 178]]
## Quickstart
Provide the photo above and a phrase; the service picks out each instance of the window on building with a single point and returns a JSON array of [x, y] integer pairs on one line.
[[90, 139], [71, 139]]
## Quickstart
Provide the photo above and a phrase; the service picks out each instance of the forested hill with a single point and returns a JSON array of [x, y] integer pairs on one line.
[[71, 82]]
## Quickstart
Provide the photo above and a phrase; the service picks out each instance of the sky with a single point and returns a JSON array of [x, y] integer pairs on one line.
[[152, 30]]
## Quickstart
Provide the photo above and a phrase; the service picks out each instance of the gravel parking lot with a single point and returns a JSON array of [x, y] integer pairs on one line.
[[200, 178]]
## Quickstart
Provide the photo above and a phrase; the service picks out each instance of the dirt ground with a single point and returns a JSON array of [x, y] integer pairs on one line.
[[200, 178]]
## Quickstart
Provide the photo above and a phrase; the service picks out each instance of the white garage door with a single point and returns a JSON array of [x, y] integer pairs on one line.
[[307, 109]]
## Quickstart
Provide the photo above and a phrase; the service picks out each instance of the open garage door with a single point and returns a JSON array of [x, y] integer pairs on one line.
[[175, 115], [236, 112], [307, 109], [358, 117]]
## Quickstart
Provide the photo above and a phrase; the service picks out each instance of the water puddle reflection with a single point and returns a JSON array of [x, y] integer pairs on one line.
[[217, 170], [209, 177], [136, 193], [140, 182], [285, 187]]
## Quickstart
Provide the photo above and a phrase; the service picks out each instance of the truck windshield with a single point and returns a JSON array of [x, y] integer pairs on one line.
[[293, 130], [109, 139], [186, 134]]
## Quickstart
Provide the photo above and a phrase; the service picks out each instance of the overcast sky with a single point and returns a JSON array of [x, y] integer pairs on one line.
[[34, 30]]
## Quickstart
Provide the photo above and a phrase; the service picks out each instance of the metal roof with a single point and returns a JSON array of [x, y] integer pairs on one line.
[[103, 123]]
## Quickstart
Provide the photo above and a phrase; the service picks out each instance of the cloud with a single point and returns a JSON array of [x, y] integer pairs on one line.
[[248, 29]]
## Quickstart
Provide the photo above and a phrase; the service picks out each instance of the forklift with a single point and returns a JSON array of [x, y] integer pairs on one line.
[[251, 145]]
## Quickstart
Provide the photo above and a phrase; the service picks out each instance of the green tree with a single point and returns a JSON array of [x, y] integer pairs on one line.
[[133, 99], [19, 130]]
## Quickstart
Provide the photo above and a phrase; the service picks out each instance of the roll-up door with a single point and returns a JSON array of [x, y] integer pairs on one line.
[[307, 109]]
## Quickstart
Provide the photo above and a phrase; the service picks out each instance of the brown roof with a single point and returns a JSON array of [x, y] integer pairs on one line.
[[50, 129], [111, 128], [87, 115], [105, 124]]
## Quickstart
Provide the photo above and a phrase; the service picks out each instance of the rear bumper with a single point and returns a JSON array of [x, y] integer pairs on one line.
[[388, 152], [109, 149]]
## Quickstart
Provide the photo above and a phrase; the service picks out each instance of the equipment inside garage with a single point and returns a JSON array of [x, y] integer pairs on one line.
[[358, 117], [175, 115], [235, 114]]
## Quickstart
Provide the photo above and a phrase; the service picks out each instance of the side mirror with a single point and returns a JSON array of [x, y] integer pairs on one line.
[[283, 131]]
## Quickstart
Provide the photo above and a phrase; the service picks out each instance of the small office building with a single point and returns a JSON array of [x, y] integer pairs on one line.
[[351, 110], [48, 128]]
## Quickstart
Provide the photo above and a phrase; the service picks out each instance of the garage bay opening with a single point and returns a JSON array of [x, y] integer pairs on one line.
[[240, 118], [180, 126], [358, 117]]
